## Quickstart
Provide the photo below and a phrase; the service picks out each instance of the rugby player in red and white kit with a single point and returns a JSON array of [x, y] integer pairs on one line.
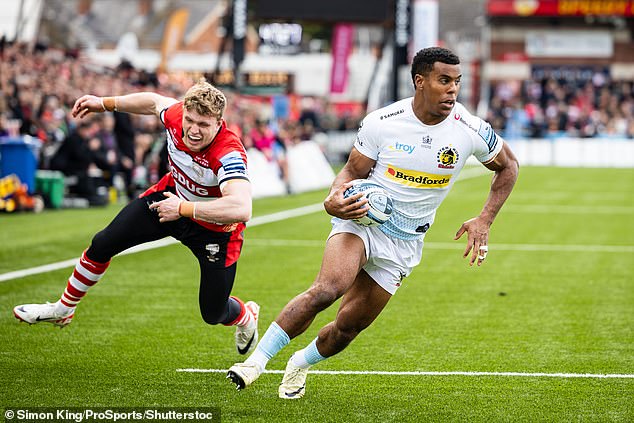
[[203, 202]]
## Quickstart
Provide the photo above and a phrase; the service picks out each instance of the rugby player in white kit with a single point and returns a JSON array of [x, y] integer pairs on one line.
[[415, 149]]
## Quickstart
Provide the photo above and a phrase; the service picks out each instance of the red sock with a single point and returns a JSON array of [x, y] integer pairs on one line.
[[244, 317], [86, 274]]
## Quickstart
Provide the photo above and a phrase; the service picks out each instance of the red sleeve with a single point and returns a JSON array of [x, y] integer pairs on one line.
[[172, 116]]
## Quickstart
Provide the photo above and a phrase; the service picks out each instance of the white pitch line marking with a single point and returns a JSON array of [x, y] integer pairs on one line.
[[262, 242], [547, 208], [384, 373]]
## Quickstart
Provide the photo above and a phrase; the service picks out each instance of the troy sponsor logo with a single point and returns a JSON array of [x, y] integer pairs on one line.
[[389, 115], [188, 184], [409, 149], [416, 179]]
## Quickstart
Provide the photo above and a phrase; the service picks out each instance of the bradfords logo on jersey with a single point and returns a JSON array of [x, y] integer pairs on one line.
[[416, 179], [447, 157]]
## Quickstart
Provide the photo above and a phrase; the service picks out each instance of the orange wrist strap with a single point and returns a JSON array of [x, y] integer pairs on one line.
[[186, 209], [109, 103]]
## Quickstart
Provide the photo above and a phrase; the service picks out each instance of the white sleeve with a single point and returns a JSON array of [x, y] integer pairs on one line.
[[487, 144], [367, 142]]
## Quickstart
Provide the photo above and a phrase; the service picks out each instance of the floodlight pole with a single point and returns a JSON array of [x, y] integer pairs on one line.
[[239, 31], [401, 41], [19, 24]]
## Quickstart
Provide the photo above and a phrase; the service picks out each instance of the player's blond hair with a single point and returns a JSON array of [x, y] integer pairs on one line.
[[205, 99]]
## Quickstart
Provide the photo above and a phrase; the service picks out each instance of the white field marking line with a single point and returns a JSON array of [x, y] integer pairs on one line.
[[557, 195], [384, 373], [262, 242], [259, 220], [545, 208]]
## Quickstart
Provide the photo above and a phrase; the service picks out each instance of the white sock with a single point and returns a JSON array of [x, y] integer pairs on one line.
[[299, 359], [308, 356], [258, 358]]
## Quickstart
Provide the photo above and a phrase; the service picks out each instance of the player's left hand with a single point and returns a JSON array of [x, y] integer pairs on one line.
[[168, 208], [87, 104], [477, 230]]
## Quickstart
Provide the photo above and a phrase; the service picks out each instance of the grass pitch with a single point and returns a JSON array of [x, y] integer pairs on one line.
[[556, 295]]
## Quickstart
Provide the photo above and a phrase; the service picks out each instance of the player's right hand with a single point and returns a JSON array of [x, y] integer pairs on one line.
[[87, 104], [353, 207]]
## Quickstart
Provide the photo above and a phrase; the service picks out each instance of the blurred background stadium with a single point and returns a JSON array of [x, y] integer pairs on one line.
[[554, 77]]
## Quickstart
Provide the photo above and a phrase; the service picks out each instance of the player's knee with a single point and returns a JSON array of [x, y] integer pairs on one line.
[[212, 317], [322, 296], [99, 240], [100, 250]]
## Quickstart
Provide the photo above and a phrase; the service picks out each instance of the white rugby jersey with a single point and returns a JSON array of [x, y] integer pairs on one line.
[[417, 163]]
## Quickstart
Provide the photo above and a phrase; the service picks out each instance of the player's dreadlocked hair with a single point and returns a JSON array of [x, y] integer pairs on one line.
[[205, 99], [424, 60]]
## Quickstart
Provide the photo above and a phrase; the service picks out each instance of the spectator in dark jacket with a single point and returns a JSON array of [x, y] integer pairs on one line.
[[82, 156]]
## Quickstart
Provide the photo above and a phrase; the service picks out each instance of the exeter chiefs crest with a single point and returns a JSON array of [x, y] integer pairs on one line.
[[447, 157]]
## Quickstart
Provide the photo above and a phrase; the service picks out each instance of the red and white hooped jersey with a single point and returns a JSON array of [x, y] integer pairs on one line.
[[198, 176]]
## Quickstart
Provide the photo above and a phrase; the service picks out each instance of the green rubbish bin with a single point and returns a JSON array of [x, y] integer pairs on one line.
[[50, 185]]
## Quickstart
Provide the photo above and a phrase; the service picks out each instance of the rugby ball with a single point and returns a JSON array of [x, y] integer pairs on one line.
[[379, 201]]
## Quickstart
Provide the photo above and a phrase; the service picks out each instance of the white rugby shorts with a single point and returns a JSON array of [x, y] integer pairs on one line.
[[390, 260]]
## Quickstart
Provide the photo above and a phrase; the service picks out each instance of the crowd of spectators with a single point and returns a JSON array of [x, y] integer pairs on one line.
[[552, 107], [38, 87]]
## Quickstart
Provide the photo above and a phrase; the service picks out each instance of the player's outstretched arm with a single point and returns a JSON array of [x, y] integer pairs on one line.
[[357, 167], [144, 103], [506, 169]]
